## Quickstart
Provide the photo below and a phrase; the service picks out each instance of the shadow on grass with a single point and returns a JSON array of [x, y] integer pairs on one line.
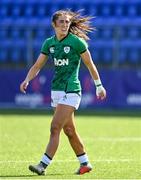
[[127, 112], [30, 176], [17, 176]]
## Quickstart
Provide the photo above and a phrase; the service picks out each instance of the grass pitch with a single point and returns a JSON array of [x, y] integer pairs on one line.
[[112, 143]]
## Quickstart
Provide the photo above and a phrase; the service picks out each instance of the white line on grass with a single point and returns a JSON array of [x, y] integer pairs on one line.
[[64, 161], [63, 178], [116, 139]]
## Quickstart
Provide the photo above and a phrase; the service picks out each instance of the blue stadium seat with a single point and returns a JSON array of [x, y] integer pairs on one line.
[[41, 33], [15, 33], [33, 22], [3, 33], [125, 21], [18, 53], [32, 19], [5, 1], [6, 21], [129, 51], [132, 10], [107, 33], [16, 11], [107, 55], [106, 10], [51, 9], [93, 11], [94, 35], [41, 11], [103, 50], [95, 53], [136, 21], [134, 56], [3, 56], [122, 56], [119, 10], [7, 43], [125, 43], [128, 43], [122, 33], [15, 55], [44, 22], [62, 6], [3, 11], [36, 49], [106, 22], [101, 43], [29, 11], [137, 44], [20, 22], [133, 33], [22, 43]]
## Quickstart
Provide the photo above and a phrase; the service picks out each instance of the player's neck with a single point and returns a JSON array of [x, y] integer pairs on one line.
[[61, 37]]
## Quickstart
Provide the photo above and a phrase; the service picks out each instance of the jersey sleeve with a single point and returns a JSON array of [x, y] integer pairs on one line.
[[81, 45], [45, 47]]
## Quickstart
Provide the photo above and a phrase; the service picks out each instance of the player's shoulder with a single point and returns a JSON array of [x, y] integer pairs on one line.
[[49, 40], [74, 37], [77, 39]]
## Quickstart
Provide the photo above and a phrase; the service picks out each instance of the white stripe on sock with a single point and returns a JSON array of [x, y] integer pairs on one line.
[[46, 160], [83, 158]]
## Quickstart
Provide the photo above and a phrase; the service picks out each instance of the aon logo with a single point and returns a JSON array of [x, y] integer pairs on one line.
[[61, 62]]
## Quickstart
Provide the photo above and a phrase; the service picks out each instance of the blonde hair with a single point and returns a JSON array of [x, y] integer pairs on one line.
[[80, 25]]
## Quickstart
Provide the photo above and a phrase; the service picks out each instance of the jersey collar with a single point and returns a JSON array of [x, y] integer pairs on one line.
[[62, 38]]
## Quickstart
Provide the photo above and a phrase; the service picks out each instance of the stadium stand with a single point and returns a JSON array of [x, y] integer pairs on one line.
[[25, 24]]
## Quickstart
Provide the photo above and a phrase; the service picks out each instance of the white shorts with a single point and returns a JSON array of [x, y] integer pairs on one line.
[[61, 97]]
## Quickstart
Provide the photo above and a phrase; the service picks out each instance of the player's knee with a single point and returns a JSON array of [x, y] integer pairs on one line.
[[69, 132], [54, 130]]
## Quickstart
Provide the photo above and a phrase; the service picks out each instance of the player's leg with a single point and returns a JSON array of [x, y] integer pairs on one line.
[[73, 137], [61, 116], [77, 145]]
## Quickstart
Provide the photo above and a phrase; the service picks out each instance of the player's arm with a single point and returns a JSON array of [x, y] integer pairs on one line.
[[87, 59], [34, 70]]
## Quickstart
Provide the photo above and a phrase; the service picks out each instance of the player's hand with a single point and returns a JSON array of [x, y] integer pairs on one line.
[[23, 86], [100, 92]]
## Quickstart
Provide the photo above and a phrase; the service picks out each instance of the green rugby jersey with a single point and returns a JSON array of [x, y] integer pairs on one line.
[[66, 56]]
